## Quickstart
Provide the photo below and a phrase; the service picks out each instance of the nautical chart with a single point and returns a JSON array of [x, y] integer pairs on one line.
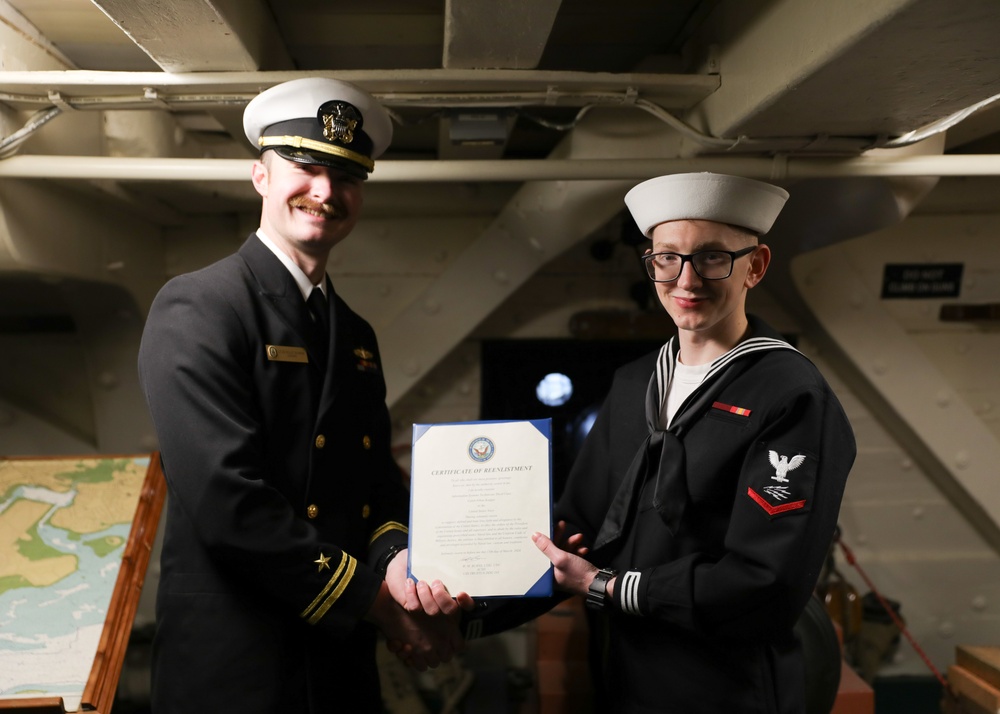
[[64, 524]]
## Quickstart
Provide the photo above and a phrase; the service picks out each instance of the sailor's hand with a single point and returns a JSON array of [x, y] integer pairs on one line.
[[572, 573]]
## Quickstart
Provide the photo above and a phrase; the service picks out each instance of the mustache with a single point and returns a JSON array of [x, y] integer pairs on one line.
[[327, 209]]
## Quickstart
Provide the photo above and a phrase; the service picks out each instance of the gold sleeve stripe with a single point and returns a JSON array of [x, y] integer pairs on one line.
[[334, 589], [385, 528], [301, 142]]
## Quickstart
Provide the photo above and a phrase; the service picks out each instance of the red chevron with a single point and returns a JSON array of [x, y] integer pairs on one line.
[[774, 510]]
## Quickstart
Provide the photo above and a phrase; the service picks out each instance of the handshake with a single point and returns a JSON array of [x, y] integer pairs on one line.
[[420, 621]]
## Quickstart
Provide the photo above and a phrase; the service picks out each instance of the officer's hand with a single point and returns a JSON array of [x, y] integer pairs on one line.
[[416, 638], [440, 614], [399, 584]]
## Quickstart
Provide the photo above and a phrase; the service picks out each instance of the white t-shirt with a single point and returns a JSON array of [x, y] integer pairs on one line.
[[685, 380]]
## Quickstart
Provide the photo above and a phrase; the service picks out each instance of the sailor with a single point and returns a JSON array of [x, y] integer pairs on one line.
[[284, 550], [704, 500]]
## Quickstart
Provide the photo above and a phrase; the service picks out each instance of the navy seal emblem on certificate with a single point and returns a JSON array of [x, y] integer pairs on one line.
[[478, 491], [481, 449]]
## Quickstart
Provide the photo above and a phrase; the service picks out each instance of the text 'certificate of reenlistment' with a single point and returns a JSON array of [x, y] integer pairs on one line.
[[478, 490]]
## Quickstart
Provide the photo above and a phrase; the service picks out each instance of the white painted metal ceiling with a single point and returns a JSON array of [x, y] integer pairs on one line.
[[791, 77], [139, 103]]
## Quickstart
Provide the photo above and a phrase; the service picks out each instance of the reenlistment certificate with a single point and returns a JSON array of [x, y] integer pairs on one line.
[[478, 490]]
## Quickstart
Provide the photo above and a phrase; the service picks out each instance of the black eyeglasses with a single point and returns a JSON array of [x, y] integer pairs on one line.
[[709, 264]]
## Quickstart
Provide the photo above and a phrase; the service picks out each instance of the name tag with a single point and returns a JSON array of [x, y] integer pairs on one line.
[[282, 353]]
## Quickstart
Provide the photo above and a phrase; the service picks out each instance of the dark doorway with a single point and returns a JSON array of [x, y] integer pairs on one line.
[[512, 371]]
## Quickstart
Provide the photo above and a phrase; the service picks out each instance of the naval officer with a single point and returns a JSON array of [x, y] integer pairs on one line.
[[284, 549]]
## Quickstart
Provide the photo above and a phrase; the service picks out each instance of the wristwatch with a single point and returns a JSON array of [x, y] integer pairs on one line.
[[383, 563], [597, 593]]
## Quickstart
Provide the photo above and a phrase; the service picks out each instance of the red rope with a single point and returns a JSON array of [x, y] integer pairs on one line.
[[892, 613]]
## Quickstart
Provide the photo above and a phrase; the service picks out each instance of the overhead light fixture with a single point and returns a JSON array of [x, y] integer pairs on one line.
[[479, 128]]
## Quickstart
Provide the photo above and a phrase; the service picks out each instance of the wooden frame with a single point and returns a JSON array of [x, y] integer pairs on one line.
[[99, 692]]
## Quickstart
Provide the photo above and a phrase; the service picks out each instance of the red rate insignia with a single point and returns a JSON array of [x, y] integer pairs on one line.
[[774, 510]]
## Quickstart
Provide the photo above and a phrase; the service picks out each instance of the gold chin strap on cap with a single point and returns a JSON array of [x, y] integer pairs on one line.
[[300, 142]]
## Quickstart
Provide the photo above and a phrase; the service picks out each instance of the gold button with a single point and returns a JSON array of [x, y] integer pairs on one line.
[[366, 511], [312, 510], [366, 442], [320, 441]]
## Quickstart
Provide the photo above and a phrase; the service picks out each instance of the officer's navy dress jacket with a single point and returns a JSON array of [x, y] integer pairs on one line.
[[282, 494], [703, 612]]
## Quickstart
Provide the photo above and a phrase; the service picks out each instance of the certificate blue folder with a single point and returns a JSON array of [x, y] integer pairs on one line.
[[478, 490]]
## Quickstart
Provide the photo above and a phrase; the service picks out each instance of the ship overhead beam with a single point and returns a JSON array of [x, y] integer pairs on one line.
[[197, 35], [485, 33], [786, 65], [779, 169]]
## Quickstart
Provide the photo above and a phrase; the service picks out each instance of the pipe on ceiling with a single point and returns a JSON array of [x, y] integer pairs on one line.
[[778, 168]]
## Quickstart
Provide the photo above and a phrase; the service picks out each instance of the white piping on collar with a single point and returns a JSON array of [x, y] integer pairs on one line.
[[667, 359]]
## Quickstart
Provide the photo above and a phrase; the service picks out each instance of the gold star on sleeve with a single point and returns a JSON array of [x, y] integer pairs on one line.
[[324, 562], [336, 586]]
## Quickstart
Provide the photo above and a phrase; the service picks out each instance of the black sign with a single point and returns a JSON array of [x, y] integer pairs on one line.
[[922, 280]]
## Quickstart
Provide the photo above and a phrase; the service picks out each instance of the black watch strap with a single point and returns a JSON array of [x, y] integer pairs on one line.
[[597, 593], [383, 562]]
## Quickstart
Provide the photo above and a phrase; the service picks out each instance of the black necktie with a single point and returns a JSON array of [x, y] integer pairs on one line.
[[320, 322], [661, 458]]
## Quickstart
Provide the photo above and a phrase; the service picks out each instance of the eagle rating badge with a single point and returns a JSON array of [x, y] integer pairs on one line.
[[788, 486]]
